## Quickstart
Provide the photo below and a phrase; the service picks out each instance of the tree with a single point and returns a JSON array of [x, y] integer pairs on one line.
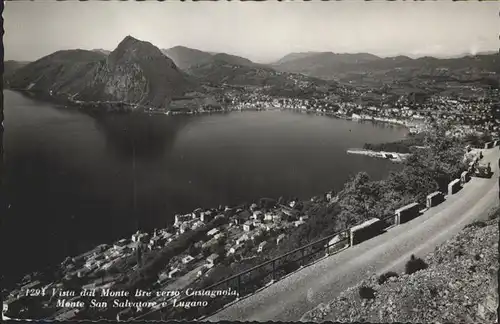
[[139, 254], [442, 158], [358, 199]]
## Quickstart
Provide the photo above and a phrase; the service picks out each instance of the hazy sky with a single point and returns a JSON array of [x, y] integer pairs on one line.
[[262, 31]]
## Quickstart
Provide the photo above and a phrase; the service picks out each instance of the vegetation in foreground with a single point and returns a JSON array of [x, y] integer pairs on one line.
[[460, 285], [361, 199]]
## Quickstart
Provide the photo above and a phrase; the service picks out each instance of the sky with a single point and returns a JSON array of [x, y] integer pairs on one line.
[[260, 31]]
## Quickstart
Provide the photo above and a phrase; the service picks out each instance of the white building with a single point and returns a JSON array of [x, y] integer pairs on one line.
[[261, 246], [213, 232], [187, 259], [173, 272]]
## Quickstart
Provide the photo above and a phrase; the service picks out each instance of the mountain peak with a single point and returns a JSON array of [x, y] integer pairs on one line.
[[132, 49], [130, 41]]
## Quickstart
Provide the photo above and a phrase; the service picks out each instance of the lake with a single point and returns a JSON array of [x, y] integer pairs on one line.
[[71, 177]]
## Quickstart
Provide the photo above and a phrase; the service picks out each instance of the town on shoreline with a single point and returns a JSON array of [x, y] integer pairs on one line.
[[206, 245]]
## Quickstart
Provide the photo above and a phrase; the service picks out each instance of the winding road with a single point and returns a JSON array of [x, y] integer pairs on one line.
[[290, 298]]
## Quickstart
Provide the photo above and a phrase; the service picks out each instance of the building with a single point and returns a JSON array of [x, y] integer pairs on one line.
[[280, 238], [258, 215], [298, 223], [261, 247], [198, 224], [197, 212], [257, 223], [268, 216], [67, 315], [83, 272], [135, 236], [213, 258], [120, 243], [202, 271], [179, 219], [213, 232], [242, 239], [168, 236], [270, 227], [155, 241], [207, 216], [187, 259], [162, 277], [209, 244], [173, 273], [219, 236], [248, 226]]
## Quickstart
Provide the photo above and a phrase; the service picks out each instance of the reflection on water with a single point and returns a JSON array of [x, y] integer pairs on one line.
[[151, 135], [72, 176]]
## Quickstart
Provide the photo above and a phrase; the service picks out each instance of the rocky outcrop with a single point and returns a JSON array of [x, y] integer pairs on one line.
[[459, 286]]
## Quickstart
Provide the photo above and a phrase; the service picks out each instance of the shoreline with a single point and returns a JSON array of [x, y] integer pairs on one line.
[[109, 107], [236, 206], [196, 214]]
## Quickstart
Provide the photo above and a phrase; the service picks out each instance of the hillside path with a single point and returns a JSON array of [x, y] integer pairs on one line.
[[290, 298]]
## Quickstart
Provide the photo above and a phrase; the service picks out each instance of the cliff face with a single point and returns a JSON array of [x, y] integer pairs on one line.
[[136, 73]]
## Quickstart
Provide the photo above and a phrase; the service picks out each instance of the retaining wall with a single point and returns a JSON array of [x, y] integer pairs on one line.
[[464, 177], [434, 199], [366, 231], [407, 213], [453, 187]]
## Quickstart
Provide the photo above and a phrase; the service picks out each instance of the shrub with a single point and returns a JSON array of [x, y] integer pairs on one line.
[[459, 253], [476, 224], [496, 214], [414, 265], [383, 277], [366, 292]]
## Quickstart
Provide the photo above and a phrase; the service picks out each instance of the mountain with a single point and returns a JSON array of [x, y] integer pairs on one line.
[[135, 73], [185, 57], [220, 73], [315, 63], [233, 59], [328, 65], [103, 51], [9, 67], [294, 56]]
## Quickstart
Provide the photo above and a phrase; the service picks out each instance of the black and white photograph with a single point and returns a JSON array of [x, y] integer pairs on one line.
[[294, 161]]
